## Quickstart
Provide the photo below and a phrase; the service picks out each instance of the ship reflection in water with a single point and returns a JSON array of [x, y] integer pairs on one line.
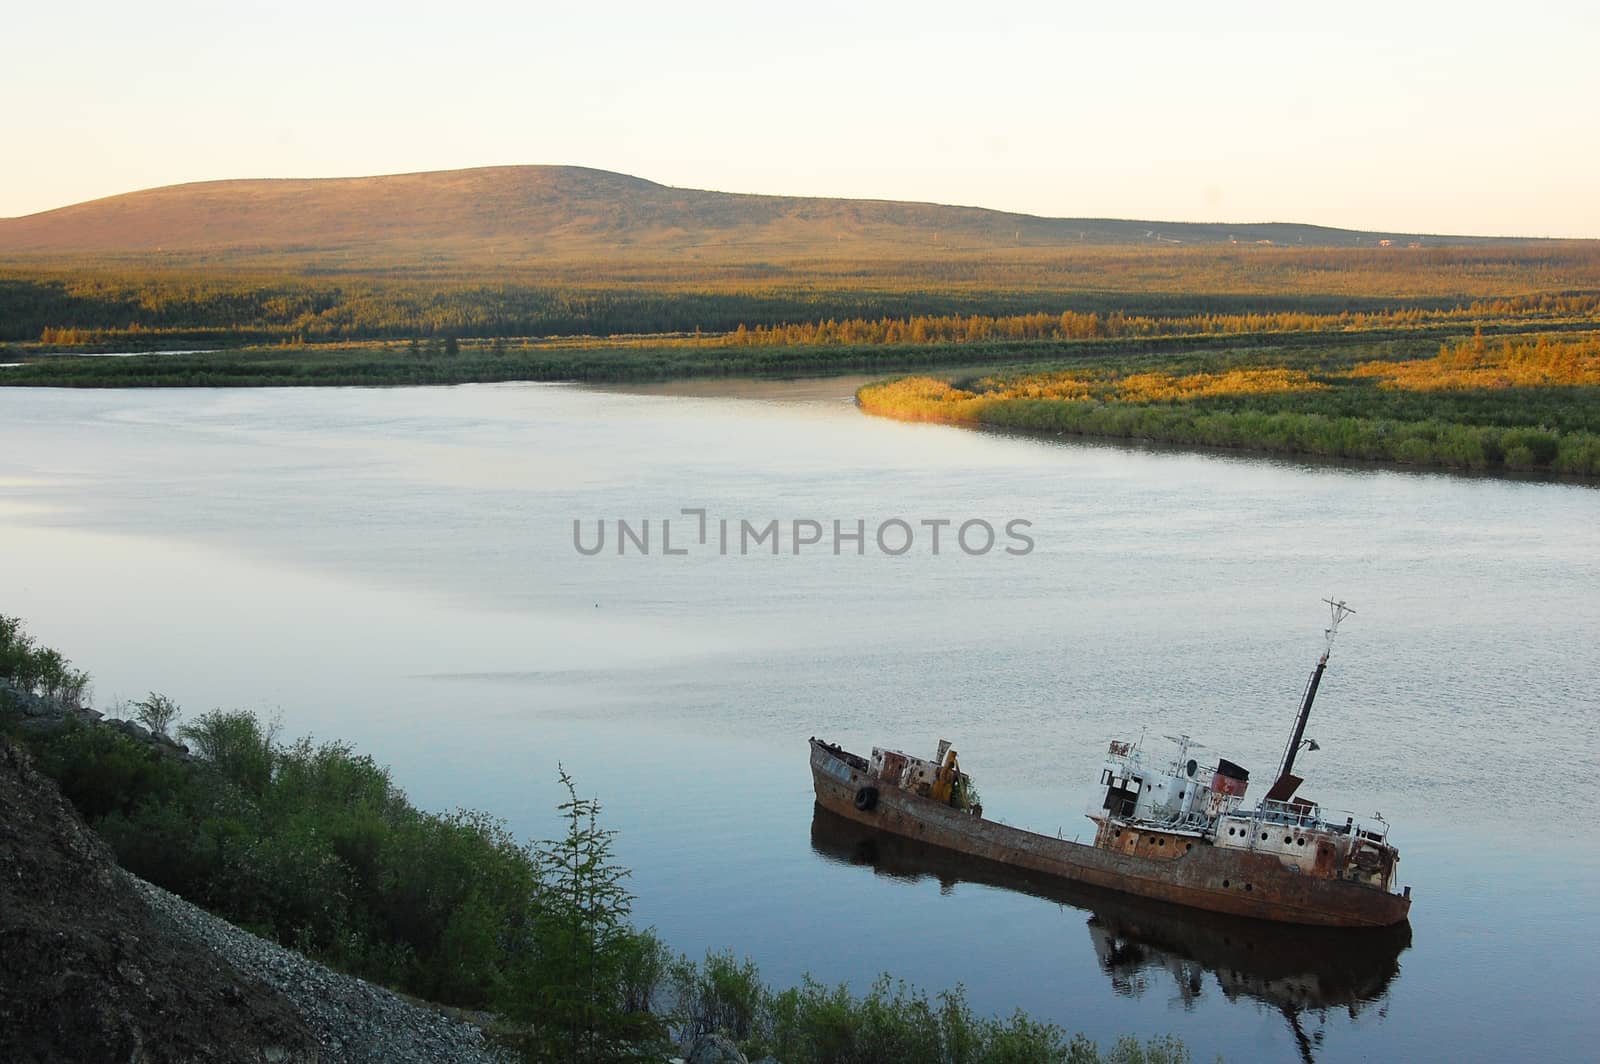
[[1303, 972]]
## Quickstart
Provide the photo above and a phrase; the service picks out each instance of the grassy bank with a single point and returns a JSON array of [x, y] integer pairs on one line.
[[314, 846], [1529, 402]]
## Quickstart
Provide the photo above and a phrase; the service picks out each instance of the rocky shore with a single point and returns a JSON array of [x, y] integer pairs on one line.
[[36, 713]]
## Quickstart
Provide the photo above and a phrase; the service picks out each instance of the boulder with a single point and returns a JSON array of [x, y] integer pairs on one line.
[[714, 1048], [136, 731]]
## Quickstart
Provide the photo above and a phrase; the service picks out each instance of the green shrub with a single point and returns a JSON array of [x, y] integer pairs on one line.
[[1529, 448], [237, 746], [103, 772], [719, 994], [35, 669], [158, 713], [817, 1024], [310, 845]]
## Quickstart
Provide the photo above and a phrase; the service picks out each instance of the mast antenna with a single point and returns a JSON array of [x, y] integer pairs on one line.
[[1337, 611], [1286, 783]]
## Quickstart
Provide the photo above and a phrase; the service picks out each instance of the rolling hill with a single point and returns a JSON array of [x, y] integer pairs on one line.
[[547, 213]]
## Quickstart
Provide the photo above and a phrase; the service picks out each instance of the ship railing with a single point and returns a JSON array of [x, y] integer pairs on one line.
[[1313, 818], [1176, 822]]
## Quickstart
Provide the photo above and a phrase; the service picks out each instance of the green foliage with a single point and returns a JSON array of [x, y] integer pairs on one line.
[[35, 669], [1163, 1050], [817, 1024], [578, 964], [104, 773], [158, 713], [309, 844], [719, 994], [238, 747]]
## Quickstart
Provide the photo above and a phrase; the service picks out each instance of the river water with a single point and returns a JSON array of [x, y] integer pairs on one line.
[[399, 568]]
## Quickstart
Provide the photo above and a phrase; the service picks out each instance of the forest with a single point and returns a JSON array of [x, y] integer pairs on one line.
[[89, 303]]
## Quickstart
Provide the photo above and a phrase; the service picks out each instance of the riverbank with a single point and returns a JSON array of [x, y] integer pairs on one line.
[[600, 360], [1516, 404]]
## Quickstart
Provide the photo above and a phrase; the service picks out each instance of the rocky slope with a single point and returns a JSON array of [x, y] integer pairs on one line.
[[96, 965]]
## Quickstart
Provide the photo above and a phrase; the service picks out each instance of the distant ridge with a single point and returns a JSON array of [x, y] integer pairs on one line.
[[532, 213]]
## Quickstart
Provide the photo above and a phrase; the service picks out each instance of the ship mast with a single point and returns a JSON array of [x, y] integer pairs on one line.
[[1286, 781]]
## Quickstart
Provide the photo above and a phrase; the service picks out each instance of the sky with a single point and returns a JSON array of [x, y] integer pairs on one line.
[[1433, 118]]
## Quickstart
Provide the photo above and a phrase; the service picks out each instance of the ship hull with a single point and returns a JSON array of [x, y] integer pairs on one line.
[[1253, 885]]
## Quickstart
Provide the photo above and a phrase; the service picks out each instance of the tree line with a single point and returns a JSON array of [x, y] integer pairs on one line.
[[826, 304]]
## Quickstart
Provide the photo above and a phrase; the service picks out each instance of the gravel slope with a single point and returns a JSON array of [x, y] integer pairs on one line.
[[352, 1020]]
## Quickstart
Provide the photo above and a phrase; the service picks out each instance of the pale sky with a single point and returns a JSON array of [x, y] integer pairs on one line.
[[1442, 118]]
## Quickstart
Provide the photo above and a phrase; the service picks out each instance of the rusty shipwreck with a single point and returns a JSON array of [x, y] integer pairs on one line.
[[1173, 829]]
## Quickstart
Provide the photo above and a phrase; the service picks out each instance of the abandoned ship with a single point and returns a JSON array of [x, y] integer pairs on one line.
[[1169, 830]]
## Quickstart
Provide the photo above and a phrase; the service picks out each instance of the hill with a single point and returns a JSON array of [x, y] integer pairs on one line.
[[533, 214]]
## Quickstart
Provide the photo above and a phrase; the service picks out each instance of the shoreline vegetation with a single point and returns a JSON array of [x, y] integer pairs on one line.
[[313, 846], [1038, 319], [1516, 404]]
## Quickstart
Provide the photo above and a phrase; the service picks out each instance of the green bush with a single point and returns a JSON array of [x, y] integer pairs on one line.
[[103, 772], [158, 713], [719, 994], [311, 845], [35, 669], [817, 1024], [1529, 448]]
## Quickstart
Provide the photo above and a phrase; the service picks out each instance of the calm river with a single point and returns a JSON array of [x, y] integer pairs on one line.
[[397, 568]]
